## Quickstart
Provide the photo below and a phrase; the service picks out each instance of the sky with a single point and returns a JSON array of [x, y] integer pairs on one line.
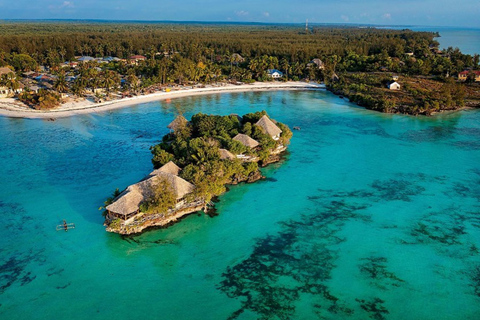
[[456, 13]]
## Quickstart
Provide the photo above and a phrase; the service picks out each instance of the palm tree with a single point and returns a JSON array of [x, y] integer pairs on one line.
[[254, 65], [209, 52], [78, 87], [110, 80], [10, 81], [60, 83], [133, 82], [285, 66], [62, 51]]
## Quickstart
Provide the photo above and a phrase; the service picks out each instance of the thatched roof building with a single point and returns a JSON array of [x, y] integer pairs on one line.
[[236, 58], [168, 167], [319, 63], [246, 140], [269, 127], [127, 204], [226, 155], [5, 70], [179, 122]]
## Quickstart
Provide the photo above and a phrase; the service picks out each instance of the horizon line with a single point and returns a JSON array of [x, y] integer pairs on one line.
[[230, 22]]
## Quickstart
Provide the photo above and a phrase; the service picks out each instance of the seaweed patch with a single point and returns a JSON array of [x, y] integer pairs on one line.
[[374, 308], [476, 280], [13, 265], [375, 268], [438, 232], [396, 189], [286, 266], [12, 271], [63, 287]]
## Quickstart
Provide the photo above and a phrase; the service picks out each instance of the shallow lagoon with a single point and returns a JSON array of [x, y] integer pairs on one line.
[[369, 216]]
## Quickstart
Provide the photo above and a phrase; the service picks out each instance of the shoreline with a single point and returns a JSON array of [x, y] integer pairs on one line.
[[13, 108]]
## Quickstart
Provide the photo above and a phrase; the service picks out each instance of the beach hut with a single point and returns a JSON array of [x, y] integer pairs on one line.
[[269, 127], [236, 59], [226, 155], [179, 122], [318, 63], [246, 140]]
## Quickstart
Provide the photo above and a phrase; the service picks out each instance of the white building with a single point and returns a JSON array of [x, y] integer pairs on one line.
[[274, 73], [393, 85]]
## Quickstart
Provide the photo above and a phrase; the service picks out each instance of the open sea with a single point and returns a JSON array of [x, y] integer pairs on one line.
[[466, 39], [369, 216]]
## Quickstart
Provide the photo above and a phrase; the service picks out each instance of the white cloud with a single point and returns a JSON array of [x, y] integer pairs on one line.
[[345, 18], [387, 16], [266, 14], [64, 5], [241, 13], [67, 4]]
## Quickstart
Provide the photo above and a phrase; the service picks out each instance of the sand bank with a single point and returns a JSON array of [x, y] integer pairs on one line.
[[16, 109]]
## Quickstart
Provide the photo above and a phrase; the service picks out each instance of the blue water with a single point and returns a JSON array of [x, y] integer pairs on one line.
[[466, 39], [369, 216]]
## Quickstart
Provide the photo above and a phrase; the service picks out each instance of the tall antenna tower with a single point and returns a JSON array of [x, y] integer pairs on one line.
[[306, 27]]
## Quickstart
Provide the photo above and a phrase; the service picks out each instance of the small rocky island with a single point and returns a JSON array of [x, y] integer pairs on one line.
[[193, 164]]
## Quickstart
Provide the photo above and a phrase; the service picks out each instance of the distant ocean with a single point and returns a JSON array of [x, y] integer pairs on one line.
[[466, 39]]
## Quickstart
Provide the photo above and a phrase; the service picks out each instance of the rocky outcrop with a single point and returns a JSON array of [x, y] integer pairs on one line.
[[252, 177], [255, 176], [145, 221]]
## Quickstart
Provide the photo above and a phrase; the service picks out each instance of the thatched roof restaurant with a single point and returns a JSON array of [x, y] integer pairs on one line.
[[169, 167], [246, 140], [127, 204], [226, 155], [269, 127], [179, 122]]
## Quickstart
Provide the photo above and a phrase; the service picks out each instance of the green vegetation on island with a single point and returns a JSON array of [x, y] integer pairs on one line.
[[416, 95], [193, 164]]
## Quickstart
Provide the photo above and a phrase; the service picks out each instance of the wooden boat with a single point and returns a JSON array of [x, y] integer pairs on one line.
[[65, 226]]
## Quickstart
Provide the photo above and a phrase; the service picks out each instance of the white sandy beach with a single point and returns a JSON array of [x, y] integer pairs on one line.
[[16, 109]]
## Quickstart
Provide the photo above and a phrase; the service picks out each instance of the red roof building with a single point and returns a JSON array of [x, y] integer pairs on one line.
[[464, 75], [138, 58]]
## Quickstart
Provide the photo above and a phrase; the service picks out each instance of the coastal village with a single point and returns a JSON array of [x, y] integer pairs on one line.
[[87, 80], [126, 212], [100, 79]]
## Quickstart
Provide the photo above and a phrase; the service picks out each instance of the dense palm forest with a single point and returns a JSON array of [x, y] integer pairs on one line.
[[200, 42], [203, 53]]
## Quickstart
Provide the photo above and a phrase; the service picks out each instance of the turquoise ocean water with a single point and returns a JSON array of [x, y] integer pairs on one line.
[[369, 216]]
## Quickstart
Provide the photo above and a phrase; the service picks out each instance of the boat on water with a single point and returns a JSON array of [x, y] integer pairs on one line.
[[65, 226]]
